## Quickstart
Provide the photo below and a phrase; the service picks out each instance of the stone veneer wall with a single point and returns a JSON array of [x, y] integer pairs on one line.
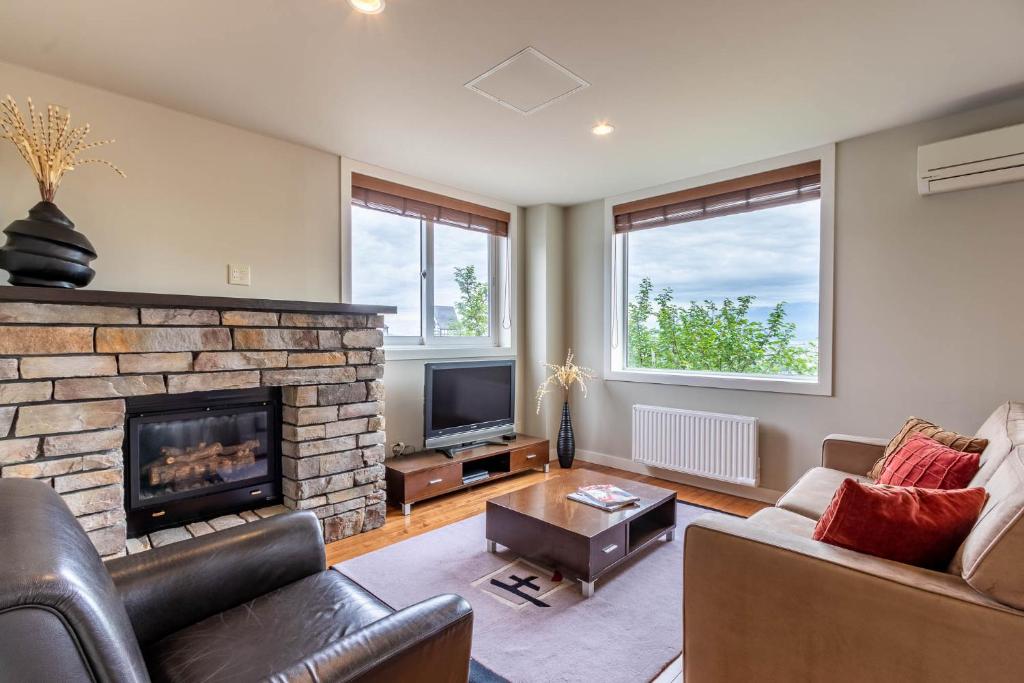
[[64, 370]]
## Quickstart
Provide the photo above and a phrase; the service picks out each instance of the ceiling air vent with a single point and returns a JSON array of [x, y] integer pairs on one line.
[[527, 82]]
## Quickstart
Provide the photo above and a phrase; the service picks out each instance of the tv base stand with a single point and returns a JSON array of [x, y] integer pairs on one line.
[[451, 451], [427, 474]]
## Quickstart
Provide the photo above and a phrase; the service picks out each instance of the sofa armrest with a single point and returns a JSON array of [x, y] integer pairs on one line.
[[764, 604], [853, 454], [176, 585], [429, 641]]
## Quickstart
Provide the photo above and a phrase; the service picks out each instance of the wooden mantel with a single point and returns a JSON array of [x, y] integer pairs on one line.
[[86, 297]]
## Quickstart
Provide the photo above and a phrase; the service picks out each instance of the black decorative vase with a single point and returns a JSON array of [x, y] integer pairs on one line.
[[566, 444], [44, 250]]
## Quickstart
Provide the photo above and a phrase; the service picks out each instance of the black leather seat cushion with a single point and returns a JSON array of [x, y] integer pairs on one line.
[[268, 634]]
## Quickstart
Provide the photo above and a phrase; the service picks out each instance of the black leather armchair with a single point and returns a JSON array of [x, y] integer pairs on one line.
[[252, 603]]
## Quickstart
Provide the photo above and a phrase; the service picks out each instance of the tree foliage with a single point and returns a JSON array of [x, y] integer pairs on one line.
[[713, 337], [471, 309]]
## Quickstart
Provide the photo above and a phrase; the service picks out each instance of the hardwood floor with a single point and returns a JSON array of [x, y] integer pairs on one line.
[[439, 512]]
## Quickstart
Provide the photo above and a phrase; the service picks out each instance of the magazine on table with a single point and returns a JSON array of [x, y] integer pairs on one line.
[[604, 496]]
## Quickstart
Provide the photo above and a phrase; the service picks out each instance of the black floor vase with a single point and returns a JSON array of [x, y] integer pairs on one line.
[[566, 445], [44, 250]]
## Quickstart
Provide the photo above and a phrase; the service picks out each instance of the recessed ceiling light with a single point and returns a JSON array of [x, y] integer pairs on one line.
[[368, 6], [602, 129]]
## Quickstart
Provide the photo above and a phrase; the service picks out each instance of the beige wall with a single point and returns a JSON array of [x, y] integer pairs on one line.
[[199, 195], [545, 320], [927, 318], [924, 286]]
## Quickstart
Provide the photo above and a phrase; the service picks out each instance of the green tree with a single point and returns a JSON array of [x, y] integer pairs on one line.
[[714, 337], [641, 338], [471, 309]]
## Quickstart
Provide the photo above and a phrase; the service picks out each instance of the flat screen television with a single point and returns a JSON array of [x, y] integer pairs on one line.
[[468, 402]]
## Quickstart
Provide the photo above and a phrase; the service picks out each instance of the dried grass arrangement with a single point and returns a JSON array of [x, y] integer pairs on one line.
[[565, 375], [50, 146]]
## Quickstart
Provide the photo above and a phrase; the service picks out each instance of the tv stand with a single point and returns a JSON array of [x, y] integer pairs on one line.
[[427, 474]]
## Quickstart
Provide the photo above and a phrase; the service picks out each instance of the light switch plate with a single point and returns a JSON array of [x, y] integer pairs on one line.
[[239, 274]]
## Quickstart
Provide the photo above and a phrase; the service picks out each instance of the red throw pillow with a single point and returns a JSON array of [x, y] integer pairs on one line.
[[922, 527], [927, 464]]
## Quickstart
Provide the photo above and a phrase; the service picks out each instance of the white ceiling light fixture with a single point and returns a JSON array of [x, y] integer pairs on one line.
[[367, 6], [527, 82], [603, 128]]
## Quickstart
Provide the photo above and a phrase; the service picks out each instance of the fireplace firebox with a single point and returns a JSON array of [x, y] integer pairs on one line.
[[196, 456]]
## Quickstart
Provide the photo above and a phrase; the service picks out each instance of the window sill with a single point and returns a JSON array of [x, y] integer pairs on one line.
[[421, 352], [819, 387]]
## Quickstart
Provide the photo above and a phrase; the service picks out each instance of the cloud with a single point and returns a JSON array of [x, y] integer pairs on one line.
[[772, 254]]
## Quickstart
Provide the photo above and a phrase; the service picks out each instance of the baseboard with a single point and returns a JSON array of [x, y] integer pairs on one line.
[[753, 492]]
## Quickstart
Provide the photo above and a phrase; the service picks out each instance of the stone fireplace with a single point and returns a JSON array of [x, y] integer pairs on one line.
[[245, 403]]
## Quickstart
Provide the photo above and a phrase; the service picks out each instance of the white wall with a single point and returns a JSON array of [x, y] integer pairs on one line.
[[927, 318], [199, 194]]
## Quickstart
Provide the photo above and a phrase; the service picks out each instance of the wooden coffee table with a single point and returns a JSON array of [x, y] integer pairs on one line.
[[582, 541]]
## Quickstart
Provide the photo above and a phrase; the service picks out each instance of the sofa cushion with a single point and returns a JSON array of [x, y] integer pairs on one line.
[[1004, 430], [915, 425], [268, 634], [811, 495], [991, 559], [927, 464], [922, 527], [778, 519]]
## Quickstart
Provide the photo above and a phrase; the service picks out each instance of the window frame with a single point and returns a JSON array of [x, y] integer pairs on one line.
[[429, 304], [503, 280], [427, 337], [616, 288]]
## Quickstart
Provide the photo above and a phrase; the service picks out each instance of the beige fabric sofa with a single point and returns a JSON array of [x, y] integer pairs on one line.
[[764, 602]]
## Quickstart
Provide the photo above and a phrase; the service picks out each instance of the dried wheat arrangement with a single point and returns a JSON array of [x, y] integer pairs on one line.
[[50, 146], [565, 375]]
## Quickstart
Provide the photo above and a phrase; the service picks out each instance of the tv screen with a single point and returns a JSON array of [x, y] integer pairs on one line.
[[462, 397]]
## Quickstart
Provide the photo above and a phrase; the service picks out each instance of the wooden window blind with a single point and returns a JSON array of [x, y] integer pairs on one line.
[[384, 195], [781, 186]]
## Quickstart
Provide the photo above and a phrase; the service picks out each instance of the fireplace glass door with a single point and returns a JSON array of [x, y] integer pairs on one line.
[[200, 455]]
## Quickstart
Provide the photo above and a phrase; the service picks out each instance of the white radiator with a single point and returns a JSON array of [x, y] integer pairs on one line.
[[703, 444]]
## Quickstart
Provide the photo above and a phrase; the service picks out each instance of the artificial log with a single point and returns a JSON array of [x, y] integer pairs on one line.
[[183, 468]]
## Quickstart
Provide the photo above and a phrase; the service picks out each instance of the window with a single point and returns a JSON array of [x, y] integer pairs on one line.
[[722, 284], [432, 257]]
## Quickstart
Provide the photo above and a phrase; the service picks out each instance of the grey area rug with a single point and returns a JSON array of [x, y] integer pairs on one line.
[[628, 631]]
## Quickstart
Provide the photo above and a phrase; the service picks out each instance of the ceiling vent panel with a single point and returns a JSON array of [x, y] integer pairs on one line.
[[527, 82]]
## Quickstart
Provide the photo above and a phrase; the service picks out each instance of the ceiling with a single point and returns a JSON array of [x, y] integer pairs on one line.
[[690, 85]]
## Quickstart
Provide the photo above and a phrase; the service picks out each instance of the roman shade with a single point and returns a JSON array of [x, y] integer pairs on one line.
[[788, 185], [384, 195]]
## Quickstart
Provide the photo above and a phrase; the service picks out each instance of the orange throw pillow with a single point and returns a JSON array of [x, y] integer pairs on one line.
[[922, 527], [915, 425], [927, 464]]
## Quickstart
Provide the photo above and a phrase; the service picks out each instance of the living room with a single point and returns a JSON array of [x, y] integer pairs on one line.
[[366, 340]]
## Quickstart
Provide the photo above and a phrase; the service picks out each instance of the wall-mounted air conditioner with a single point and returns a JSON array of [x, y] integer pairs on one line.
[[990, 158]]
